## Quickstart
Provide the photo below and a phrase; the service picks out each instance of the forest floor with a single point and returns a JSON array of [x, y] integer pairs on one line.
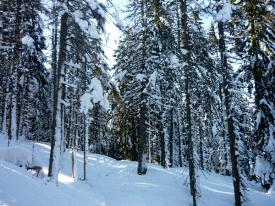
[[113, 183]]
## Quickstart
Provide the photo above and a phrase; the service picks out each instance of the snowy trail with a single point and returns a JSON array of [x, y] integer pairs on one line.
[[113, 183]]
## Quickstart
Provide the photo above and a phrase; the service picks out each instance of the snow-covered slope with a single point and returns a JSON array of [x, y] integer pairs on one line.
[[112, 183]]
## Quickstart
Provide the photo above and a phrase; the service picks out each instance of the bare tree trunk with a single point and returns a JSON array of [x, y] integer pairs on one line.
[[69, 139], [54, 85], [142, 129], [162, 146], [179, 140], [228, 116], [20, 109], [74, 146], [57, 138], [4, 113], [16, 62], [201, 145], [178, 113], [190, 153], [142, 154], [149, 142], [86, 146], [171, 139]]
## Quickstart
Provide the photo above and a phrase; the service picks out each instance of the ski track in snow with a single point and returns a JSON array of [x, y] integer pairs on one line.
[[113, 183]]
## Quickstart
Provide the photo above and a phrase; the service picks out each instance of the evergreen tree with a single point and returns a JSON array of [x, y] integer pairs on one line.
[[257, 50], [147, 82], [26, 83], [80, 24]]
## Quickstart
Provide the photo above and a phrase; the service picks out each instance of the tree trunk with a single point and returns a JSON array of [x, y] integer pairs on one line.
[[162, 145], [16, 62], [20, 110], [171, 139], [4, 113], [179, 140], [142, 128], [190, 152], [230, 130], [201, 145], [74, 146], [86, 146], [57, 138], [69, 139], [142, 154]]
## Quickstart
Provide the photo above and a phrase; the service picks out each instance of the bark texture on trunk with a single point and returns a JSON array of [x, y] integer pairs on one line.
[[14, 78], [57, 140], [188, 81], [230, 130]]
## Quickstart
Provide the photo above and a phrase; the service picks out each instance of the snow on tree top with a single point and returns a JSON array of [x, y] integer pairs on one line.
[[27, 40], [225, 13], [87, 27]]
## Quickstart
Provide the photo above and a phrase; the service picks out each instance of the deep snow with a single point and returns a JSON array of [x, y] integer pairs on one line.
[[113, 183]]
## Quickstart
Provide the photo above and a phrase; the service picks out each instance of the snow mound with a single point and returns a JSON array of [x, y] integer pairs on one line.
[[113, 183], [19, 156]]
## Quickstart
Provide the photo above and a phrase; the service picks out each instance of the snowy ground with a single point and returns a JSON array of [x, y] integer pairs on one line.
[[112, 183]]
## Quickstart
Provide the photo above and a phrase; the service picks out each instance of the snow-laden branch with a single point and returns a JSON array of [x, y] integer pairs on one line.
[[95, 94], [66, 104], [68, 84]]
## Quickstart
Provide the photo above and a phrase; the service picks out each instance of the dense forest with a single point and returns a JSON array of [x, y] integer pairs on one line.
[[193, 84]]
